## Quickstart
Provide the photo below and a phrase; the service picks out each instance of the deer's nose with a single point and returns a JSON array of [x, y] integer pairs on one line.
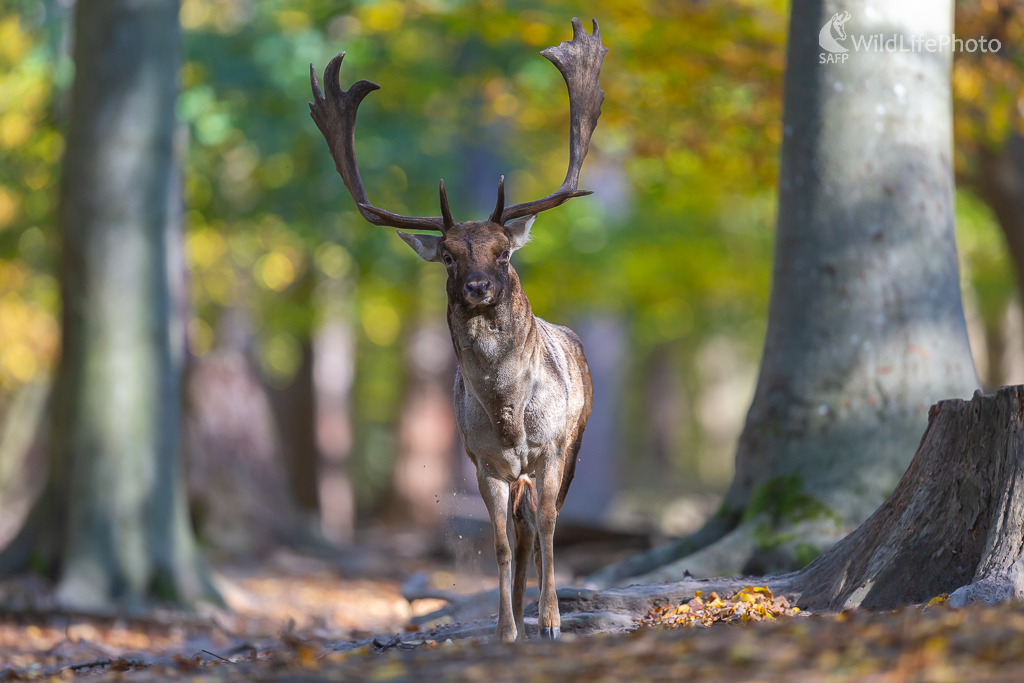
[[478, 286]]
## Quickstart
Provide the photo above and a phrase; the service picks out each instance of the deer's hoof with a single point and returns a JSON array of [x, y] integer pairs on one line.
[[550, 632]]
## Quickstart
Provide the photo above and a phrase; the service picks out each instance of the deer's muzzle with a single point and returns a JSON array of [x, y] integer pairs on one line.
[[478, 289]]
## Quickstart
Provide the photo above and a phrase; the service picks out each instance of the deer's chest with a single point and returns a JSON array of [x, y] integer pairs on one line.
[[500, 413]]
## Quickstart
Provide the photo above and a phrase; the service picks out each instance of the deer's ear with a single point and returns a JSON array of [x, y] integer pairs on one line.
[[424, 245], [519, 231]]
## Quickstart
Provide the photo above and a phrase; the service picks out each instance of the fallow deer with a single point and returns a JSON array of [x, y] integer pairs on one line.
[[523, 391]]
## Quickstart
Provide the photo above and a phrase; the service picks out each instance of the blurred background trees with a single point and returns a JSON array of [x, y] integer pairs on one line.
[[315, 314]]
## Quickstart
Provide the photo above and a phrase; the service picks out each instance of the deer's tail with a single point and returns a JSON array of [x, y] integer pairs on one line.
[[523, 493]]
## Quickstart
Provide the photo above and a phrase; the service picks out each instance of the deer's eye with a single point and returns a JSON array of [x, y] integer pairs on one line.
[[447, 258], [504, 256]]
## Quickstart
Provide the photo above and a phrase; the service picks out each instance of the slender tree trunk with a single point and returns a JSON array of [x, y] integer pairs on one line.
[[22, 455], [296, 413], [333, 374], [112, 524], [1001, 184], [238, 484], [296, 409], [866, 326], [426, 430]]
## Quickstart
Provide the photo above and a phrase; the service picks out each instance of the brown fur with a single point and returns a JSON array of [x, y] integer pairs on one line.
[[523, 491]]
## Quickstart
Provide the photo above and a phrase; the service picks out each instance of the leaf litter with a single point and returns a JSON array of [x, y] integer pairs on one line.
[[751, 635], [753, 603]]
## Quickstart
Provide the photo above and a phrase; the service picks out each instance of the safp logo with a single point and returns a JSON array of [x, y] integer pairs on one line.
[[825, 38]]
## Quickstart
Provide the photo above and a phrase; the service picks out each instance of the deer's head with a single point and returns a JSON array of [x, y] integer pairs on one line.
[[476, 253]]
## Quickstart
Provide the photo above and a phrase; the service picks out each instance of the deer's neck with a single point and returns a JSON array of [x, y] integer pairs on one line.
[[489, 339]]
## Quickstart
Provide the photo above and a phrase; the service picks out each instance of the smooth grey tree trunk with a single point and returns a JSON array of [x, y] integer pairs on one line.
[[866, 327], [112, 525]]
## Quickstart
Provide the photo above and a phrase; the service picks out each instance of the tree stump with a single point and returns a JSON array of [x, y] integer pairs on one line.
[[954, 524]]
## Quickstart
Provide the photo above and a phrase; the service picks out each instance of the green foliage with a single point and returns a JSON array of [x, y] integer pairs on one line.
[[676, 243]]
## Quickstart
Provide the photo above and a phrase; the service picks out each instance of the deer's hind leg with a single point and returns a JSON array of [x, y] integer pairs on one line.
[[524, 538], [550, 481]]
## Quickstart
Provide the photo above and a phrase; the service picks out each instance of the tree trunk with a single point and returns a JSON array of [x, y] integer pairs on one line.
[[297, 414], [22, 455], [954, 525], [426, 430], [333, 374], [238, 484], [1001, 184], [112, 524], [866, 326]]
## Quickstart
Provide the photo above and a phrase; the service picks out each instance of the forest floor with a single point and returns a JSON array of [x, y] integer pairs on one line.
[[297, 619]]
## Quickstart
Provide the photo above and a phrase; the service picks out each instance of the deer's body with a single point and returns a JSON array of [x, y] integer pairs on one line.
[[521, 416], [522, 386], [523, 392], [522, 397]]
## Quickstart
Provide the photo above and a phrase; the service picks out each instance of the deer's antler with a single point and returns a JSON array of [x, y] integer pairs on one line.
[[335, 116], [579, 62]]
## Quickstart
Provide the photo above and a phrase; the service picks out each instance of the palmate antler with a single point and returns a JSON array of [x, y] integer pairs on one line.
[[335, 116], [579, 62]]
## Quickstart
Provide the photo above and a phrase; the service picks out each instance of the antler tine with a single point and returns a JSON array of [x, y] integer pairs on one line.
[[335, 116], [446, 212], [579, 61], [500, 206]]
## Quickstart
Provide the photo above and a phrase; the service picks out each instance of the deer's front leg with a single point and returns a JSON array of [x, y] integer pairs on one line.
[[495, 493], [549, 621]]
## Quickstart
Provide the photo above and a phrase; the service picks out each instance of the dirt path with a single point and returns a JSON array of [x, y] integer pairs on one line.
[[975, 644], [357, 629]]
